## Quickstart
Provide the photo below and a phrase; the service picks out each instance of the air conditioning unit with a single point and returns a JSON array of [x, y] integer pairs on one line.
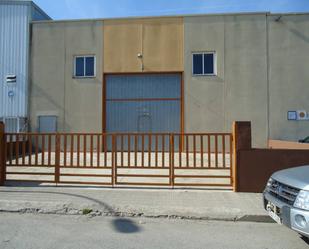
[[14, 124], [302, 115]]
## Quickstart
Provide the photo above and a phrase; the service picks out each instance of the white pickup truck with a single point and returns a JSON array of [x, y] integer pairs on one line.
[[286, 198]]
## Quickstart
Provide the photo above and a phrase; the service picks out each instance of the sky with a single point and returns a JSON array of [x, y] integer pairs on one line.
[[84, 9]]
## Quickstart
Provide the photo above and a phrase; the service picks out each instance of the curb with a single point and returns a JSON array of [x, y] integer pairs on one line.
[[94, 213]]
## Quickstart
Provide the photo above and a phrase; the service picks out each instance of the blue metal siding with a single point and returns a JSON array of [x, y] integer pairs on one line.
[[15, 18], [124, 113], [14, 36]]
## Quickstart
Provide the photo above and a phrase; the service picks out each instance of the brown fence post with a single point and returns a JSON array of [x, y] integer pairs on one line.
[[241, 141], [2, 155], [57, 158], [114, 155], [171, 161]]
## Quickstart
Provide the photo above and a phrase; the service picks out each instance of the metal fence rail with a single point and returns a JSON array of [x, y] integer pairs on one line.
[[157, 159]]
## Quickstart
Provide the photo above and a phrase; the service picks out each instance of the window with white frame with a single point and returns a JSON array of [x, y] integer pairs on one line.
[[204, 63], [84, 66]]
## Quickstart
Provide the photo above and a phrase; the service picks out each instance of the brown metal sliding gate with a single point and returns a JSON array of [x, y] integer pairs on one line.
[[191, 159]]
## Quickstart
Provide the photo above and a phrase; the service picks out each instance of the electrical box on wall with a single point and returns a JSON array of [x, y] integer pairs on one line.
[[47, 123], [302, 115], [298, 115]]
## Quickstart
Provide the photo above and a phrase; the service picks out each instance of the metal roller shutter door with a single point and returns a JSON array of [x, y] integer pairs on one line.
[[146, 103]]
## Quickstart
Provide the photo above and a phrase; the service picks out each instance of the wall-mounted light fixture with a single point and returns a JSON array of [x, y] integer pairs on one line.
[[11, 94], [140, 56]]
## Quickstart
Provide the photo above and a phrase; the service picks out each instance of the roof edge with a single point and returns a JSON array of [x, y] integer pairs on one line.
[[41, 11], [146, 17], [15, 2], [29, 3], [171, 16]]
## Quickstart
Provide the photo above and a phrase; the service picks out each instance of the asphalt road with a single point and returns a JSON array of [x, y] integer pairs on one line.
[[31, 231]]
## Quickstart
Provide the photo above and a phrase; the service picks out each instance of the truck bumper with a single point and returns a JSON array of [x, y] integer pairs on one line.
[[294, 218]]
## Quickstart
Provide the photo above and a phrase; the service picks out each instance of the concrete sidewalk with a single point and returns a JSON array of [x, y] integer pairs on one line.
[[178, 203]]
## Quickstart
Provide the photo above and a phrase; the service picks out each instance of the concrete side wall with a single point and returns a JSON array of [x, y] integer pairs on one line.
[[254, 167], [159, 40], [280, 144], [239, 91], [288, 75], [54, 90]]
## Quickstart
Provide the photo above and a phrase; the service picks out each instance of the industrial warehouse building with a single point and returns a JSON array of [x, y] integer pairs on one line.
[[172, 74]]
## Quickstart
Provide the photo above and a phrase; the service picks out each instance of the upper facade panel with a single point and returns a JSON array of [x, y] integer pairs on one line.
[[143, 45]]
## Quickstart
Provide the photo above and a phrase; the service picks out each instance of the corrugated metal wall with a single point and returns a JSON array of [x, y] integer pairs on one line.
[[143, 103], [14, 31]]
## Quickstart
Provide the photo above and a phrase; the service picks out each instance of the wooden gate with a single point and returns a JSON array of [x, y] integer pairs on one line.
[[191, 159]]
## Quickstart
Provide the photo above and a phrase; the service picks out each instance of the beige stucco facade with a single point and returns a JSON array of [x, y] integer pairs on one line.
[[261, 61], [54, 91], [239, 90], [288, 75]]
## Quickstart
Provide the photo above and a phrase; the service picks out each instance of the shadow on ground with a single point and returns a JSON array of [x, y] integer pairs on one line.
[[125, 226], [305, 239]]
